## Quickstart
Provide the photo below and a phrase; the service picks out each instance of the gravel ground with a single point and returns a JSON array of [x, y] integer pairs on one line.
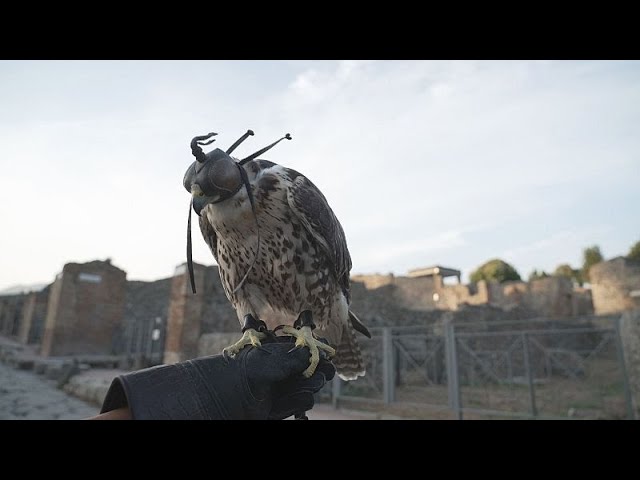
[[27, 396]]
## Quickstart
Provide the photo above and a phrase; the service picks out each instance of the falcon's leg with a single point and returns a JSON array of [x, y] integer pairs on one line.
[[252, 332], [302, 330]]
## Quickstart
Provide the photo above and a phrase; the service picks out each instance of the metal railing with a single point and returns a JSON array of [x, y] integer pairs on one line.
[[523, 369], [141, 343]]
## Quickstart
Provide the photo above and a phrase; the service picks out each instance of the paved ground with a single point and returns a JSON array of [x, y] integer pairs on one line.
[[326, 412], [27, 396]]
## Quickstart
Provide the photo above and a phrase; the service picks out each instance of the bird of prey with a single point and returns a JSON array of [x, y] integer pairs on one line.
[[282, 253]]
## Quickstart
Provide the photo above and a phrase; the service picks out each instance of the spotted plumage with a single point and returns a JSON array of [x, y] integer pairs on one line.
[[281, 251], [302, 261]]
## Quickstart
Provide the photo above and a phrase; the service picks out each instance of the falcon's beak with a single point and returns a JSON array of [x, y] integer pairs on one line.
[[199, 202]]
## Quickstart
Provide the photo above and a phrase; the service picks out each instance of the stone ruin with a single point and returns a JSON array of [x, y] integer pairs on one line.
[[91, 309]]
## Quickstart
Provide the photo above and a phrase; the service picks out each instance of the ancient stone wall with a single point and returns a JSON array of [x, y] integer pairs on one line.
[[582, 301], [416, 293], [33, 317], [612, 284], [374, 281], [412, 292], [508, 294], [10, 314], [450, 297], [85, 309], [550, 297], [75, 305]]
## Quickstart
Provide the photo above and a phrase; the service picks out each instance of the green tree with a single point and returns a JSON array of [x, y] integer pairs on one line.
[[591, 256], [634, 252], [495, 269], [565, 270], [535, 275]]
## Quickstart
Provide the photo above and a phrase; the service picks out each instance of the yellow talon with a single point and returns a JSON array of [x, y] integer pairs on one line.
[[304, 338], [249, 337]]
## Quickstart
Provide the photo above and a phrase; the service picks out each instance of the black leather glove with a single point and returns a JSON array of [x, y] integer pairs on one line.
[[295, 394], [256, 384]]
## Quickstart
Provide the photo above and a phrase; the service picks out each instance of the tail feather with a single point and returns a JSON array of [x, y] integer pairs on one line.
[[348, 360]]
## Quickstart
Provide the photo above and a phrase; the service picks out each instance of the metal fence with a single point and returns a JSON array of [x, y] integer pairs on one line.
[[141, 342], [533, 369]]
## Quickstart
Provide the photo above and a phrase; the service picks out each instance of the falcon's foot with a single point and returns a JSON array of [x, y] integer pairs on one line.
[[252, 333], [303, 333]]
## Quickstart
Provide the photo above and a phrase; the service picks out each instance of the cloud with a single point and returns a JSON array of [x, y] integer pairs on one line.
[[422, 161]]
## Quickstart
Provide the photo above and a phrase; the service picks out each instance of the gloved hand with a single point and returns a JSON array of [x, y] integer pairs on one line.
[[256, 384], [295, 394]]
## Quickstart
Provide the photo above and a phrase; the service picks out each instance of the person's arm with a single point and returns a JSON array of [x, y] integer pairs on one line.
[[258, 383]]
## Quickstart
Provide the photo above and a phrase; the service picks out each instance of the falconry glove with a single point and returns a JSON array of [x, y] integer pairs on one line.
[[257, 384]]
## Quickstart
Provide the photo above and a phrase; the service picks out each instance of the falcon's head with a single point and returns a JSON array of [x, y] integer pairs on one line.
[[213, 177]]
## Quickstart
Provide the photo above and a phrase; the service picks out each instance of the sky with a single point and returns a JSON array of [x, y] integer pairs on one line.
[[425, 163]]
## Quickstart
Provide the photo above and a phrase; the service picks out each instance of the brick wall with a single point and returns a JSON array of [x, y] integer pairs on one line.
[[191, 315], [185, 308]]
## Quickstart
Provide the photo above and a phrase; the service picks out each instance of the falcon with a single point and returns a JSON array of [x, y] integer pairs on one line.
[[282, 254]]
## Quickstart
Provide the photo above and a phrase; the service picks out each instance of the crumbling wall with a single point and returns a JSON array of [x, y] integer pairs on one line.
[[612, 283], [582, 301], [513, 293], [550, 296], [451, 297], [415, 293]]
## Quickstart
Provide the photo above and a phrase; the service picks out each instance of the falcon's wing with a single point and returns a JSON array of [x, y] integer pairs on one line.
[[311, 207], [209, 235]]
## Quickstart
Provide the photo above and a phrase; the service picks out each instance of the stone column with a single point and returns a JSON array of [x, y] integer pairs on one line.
[[27, 318], [185, 315]]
